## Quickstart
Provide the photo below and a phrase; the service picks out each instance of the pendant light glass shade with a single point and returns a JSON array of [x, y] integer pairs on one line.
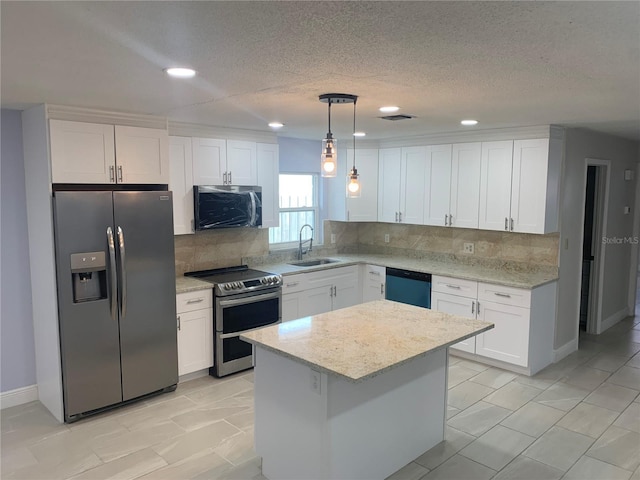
[[329, 157], [353, 182]]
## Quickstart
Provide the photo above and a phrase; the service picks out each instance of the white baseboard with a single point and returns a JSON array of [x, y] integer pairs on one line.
[[193, 375], [613, 319], [18, 396], [565, 350]]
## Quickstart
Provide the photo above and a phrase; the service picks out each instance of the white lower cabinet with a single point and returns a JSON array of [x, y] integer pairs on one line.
[[508, 341], [195, 331], [457, 297], [373, 283]]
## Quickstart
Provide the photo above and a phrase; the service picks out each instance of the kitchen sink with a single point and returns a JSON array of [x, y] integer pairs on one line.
[[313, 263]]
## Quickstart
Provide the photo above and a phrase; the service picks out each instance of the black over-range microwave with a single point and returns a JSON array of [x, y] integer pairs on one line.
[[224, 206]]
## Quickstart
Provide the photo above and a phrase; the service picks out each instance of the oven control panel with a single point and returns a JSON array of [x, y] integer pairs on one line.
[[249, 285]]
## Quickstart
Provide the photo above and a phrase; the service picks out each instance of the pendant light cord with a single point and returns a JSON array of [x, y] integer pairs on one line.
[[354, 133], [329, 109]]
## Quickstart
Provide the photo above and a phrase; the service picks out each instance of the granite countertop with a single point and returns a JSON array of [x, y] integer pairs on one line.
[[502, 276], [365, 340], [190, 284]]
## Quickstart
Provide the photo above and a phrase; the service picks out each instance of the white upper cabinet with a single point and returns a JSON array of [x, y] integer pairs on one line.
[[181, 184], [438, 185], [413, 172], [365, 207], [389, 160], [268, 178], [242, 166], [209, 161], [465, 185], [98, 153], [518, 188]]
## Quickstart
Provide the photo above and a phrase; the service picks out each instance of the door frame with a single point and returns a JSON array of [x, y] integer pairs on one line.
[[635, 267], [596, 279]]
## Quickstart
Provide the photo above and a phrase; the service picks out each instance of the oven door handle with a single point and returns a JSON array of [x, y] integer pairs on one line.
[[249, 299], [222, 336]]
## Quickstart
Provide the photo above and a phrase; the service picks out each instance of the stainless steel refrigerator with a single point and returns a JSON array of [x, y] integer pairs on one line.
[[116, 297]]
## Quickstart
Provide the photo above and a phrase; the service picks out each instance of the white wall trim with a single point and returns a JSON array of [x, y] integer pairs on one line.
[[184, 129], [193, 375], [613, 319], [80, 114], [11, 398], [565, 350]]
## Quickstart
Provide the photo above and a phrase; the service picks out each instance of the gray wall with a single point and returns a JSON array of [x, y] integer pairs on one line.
[[623, 154], [16, 323]]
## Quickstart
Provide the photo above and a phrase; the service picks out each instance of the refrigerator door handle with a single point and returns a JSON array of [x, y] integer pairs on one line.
[[123, 273], [114, 284]]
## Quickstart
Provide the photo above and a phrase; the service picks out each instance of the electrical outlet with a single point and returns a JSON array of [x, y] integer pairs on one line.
[[468, 248], [315, 381], [333, 238], [386, 238]]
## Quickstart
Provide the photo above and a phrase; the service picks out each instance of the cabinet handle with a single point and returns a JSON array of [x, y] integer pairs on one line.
[[198, 300], [374, 273], [178, 322], [450, 220], [499, 294], [473, 307], [457, 287], [292, 284], [506, 223], [445, 219], [224, 178], [112, 173], [512, 224], [230, 181], [331, 290], [382, 289], [478, 305], [335, 291], [400, 216], [119, 173], [396, 216]]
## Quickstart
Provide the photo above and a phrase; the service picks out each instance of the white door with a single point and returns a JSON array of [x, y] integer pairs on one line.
[[82, 152], [495, 185], [142, 155], [242, 166], [462, 306], [389, 160], [209, 161], [195, 341], [268, 178], [181, 184], [316, 300], [529, 185], [438, 185], [365, 207], [413, 173], [509, 339], [373, 283], [465, 184]]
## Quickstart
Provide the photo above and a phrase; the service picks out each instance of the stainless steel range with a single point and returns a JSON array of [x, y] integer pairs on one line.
[[244, 299]]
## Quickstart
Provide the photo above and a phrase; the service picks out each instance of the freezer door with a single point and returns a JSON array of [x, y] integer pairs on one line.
[[89, 349], [148, 343]]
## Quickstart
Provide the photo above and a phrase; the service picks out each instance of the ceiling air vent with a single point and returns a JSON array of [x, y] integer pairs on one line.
[[393, 118]]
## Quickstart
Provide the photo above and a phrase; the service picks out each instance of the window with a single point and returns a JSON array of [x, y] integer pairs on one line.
[[298, 206]]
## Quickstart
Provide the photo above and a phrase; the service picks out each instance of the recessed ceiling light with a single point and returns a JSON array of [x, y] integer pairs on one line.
[[469, 122], [276, 124], [389, 109], [359, 134], [180, 72]]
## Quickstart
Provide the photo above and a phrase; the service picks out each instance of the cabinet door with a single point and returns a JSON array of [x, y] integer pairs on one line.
[[438, 185], [373, 283], [291, 307], [389, 160], [413, 171], [346, 288], [465, 184], [268, 179], [242, 165], [82, 152], [495, 185], [463, 306], [142, 155], [316, 300], [181, 184], [195, 341], [209, 161], [364, 208], [529, 185], [508, 341]]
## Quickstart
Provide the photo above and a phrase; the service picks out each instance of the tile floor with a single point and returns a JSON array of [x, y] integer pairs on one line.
[[577, 419]]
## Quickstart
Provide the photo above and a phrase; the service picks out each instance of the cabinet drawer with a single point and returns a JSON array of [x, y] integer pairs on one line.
[[332, 276], [190, 301], [454, 286], [517, 297], [293, 283]]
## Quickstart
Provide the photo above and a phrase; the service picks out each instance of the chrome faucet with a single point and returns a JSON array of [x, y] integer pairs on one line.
[[300, 251]]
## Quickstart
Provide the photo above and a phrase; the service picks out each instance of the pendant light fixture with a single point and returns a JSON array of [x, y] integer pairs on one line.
[[329, 157], [353, 183]]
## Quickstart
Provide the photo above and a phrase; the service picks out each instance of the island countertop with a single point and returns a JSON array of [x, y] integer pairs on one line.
[[365, 340]]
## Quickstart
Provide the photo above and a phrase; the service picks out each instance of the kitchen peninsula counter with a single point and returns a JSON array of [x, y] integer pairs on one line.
[[355, 393]]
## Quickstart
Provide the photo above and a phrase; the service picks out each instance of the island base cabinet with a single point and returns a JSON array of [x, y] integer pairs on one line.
[[509, 340], [312, 425]]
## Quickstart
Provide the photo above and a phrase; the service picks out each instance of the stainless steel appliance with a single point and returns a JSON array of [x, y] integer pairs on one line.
[[116, 297], [227, 206], [405, 286], [245, 299]]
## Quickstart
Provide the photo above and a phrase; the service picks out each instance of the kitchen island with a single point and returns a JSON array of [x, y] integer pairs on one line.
[[355, 393]]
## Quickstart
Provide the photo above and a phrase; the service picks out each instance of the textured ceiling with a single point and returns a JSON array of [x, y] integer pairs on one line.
[[502, 63]]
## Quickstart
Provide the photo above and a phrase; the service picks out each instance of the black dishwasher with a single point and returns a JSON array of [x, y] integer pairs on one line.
[[409, 287]]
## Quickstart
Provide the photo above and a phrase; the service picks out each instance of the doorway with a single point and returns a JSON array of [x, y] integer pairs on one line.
[[594, 224]]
